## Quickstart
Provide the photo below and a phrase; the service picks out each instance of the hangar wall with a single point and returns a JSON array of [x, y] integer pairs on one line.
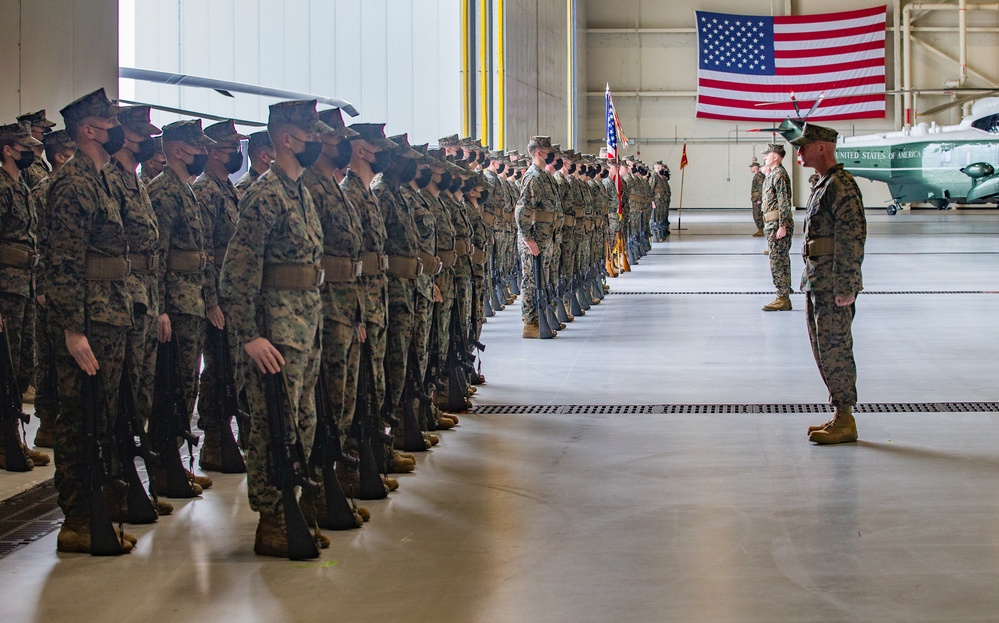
[[658, 57], [53, 53]]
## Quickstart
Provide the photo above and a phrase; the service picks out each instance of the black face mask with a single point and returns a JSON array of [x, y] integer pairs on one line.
[[445, 182], [500, 168], [558, 165], [455, 184], [343, 154], [382, 161], [572, 168], [473, 157], [407, 171], [516, 175], [604, 174], [459, 156], [425, 177], [25, 159], [235, 162], [484, 197], [467, 186], [486, 162], [197, 167], [550, 158], [116, 140], [308, 156], [147, 149]]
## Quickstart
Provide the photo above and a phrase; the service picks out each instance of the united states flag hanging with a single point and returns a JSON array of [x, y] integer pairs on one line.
[[744, 60]]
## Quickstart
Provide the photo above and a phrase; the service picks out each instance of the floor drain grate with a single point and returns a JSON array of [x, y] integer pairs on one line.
[[869, 407], [28, 516]]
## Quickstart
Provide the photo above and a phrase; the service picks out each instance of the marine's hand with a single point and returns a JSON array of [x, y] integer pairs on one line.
[[438, 297], [844, 300], [781, 232], [41, 299], [268, 358], [79, 346], [532, 246], [215, 317], [163, 332], [362, 333]]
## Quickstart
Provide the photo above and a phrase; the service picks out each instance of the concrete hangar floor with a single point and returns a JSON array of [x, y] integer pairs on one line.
[[649, 464]]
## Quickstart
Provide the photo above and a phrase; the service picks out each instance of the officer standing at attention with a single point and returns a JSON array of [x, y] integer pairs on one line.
[[756, 196], [185, 254], [270, 284], [85, 281], [535, 216], [219, 212], [778, 226], [835, 233], [261, 154], [18, 250], [59, 149]]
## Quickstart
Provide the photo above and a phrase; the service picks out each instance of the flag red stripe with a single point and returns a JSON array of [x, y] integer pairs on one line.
[[843, 49], [866, 114], [788, 106], [823, 69]]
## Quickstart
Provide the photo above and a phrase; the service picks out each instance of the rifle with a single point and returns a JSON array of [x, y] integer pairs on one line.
[[327, 450], [412, 435], [11, 415], [492, 287], [458, 367], [228, 403], [365, 428], [171, 422], [103, 540], [286, 469], [513, 279], [132, 443], [544, 327]]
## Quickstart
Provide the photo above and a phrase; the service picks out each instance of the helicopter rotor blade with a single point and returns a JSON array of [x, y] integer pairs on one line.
[[958, 102], [794, 101], [814, 106], [192, 113]]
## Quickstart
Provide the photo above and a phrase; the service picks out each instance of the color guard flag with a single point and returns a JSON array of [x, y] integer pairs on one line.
[[614, 130], [683, 158], [744, 60]]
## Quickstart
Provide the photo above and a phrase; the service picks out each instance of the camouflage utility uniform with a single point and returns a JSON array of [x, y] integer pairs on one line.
[[777, 211], [535, 214]]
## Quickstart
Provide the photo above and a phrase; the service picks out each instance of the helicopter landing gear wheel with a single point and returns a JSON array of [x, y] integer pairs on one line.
[[893, 209]]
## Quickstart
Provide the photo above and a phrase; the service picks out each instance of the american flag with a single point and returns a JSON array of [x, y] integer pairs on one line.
[[613, 127], [744, 60]]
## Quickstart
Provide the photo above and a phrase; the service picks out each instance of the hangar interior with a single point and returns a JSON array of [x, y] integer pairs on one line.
[[650, 463]]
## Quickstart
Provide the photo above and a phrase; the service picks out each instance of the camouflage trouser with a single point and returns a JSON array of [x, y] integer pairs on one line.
[[399, 339], [478, 299], [552, 261], [211, 380], [189, 333], [422, 322], [758, 214], [780, 261], [829, 331], [301, 371], [528, 289], [463, 298], [585, 254], [108, 345], [442, 314], [27, 356], [570, 249], [141, 344], [341, 358], [49, 339], [12, 310]]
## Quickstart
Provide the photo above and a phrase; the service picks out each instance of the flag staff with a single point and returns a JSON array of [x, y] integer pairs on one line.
[[683, 171]]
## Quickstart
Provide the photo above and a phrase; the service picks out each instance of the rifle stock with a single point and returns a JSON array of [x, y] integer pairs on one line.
[[170, 423], [228, 403], [287, 470], [12, 416], [539, 302], [103, 540], [132, 443], [412, 435], [327, 451], [371, 486]]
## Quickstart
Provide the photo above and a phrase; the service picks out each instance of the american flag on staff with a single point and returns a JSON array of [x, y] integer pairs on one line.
[[745, 60], [614, 130]]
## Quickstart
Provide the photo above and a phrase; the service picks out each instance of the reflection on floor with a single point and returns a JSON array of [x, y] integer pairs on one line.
[[642, 516]]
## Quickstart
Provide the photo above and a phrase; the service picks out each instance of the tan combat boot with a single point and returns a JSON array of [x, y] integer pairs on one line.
[[202, 481], [271, 538], [40, 459], [363, 514], [843, 429], [531, 331], [401, 465], [44, 437], [758, 234], [823, 426], [781, 303], [432, 439], [74, 537]]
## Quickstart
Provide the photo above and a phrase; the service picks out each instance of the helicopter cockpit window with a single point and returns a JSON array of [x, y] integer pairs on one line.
[[989, 124]]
